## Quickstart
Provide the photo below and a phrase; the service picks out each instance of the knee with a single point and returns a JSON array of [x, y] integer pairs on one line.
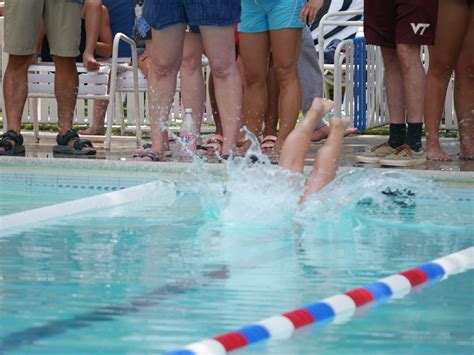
[[465, 69], [64, 63], [408, 54], [222, 68], [163, 69], [254, 79], [390, 58], [18, 62], [191, 64], [440, 70], [285, 73]]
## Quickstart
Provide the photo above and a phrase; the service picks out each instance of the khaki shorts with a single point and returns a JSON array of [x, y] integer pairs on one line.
[[62, 19]]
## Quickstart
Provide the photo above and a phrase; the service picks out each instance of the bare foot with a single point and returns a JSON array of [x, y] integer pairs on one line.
[[321, 107], [318, 110], [465, 154], [466, 149], [339, 124], [89, 62], [93, 131], [433, 151], [323, 132]]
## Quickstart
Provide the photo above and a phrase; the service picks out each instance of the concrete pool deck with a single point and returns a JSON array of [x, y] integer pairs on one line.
[[120, 159]]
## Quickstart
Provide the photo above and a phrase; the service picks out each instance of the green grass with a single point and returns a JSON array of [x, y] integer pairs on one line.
[[52, 127], [384, 131]]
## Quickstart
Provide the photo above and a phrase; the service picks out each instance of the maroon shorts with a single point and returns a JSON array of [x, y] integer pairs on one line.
[[391, 22]]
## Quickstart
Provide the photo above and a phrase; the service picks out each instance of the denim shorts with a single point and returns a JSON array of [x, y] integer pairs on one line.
[[265, 15], [164, 13]]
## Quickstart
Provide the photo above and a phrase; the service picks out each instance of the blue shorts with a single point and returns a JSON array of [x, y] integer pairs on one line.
[[164, 13], [265, 15]]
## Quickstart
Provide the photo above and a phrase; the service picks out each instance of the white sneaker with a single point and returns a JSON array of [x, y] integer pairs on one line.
[[376, 153], [404, 156]]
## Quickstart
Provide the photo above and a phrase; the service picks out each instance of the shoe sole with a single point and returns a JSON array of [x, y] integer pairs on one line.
[[368, 160], [69, 150], [402, 163]]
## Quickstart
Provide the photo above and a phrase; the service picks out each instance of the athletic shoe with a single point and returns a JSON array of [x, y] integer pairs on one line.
[[376, 153], [404, 156]]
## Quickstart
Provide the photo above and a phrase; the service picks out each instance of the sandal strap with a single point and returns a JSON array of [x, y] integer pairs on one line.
[[217, 138], [269, 138], [151, 155], [79, 144], [6, 144], [8, 137], [64, 140]]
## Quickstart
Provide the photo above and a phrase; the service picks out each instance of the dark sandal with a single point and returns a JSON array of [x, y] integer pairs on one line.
[[151, 155], [168, 153], [12, 150], [77, 148]]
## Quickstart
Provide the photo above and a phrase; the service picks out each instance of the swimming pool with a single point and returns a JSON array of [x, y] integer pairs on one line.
[[208, 257]]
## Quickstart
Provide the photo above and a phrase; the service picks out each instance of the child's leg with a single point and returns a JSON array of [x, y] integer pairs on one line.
[[92, 13], [297, 144], [327, 158]]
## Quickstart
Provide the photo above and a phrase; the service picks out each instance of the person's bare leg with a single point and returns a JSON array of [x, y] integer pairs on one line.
[[166, 56], [414, 81], [66, 82], [254, 49], [92, 14], [215, 109], [464, 92], [271, 116], [393, 80], [97, 127], [285, 45], [192, 80], [15, 89], [219, 47], [298, 142], [323, 133], [453, 19], [144, 60], [326, 161]]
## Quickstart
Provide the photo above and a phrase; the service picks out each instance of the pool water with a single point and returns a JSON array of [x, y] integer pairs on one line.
[[21, 192], [153, 276]]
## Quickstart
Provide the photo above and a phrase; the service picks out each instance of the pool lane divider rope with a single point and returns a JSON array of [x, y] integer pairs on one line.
[[161, 190], [328, 309]]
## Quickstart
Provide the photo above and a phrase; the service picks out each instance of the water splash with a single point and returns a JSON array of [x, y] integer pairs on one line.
[[389, 198], [256, 194]]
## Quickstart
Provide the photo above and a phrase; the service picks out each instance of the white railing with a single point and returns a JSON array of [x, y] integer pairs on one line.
[[331, 19], [364, 99], [327, 20]]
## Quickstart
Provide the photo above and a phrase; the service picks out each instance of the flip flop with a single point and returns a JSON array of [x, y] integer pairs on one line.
[[214, 143], [268, 142], [168, 153], [151, 155]]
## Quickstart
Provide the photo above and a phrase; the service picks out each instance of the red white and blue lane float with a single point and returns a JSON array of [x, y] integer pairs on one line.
[[333, 308]]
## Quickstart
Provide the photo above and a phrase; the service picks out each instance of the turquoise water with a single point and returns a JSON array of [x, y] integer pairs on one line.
[[148, 277], [21, 192]]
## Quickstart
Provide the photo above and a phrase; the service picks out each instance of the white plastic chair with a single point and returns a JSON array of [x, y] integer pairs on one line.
[[103, 84], [330, 19]]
